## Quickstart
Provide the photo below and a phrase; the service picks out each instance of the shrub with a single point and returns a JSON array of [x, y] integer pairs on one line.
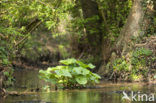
[[135, 65], [72, 74], [140, 60]]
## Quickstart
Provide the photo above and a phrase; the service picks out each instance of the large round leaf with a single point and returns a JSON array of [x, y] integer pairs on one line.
[[81, 70], [85, 71], [68, 61], [63, 72], [81, 80], [77, 70]]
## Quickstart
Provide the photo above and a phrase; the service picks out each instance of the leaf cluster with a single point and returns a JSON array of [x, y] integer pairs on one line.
[[72, 74]]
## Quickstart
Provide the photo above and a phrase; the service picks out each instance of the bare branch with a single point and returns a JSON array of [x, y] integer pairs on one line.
[[2, 35], [28, 32], [44, 3]]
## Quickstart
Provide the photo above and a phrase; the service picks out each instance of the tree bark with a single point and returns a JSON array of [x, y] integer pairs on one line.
[[1, 84], [93, 30], [133, 26], [136, 25]]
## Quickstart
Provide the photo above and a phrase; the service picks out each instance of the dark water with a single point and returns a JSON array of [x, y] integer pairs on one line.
[[108, 93]]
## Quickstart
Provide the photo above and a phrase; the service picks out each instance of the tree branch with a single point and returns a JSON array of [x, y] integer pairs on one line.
[[2, 36], [28, 32]]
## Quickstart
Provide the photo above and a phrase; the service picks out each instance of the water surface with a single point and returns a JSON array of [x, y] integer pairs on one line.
[[108, 93]]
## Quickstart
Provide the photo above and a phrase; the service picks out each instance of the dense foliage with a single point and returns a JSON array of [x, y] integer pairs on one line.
[[72, 74], [134, 66]]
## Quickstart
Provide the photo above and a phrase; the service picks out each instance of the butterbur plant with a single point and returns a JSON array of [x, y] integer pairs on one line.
[[70, 74]]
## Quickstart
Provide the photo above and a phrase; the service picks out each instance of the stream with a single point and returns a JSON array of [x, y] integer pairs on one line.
[[28, 80]]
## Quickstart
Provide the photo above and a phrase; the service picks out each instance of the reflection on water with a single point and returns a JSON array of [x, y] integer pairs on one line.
[[77, 96], [108, 94]]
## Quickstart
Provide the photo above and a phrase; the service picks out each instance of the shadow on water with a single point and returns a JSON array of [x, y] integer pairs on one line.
[[108, 93]]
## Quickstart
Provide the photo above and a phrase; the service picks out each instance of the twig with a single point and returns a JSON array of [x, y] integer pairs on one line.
[[2, 35], [44, 4], [111, 75], [28, 32], [139, 45], [81, 55]]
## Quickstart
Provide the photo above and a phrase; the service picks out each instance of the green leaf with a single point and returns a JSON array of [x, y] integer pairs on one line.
[[50, 24], [63, 72], [85, 71], [6, 73], [68, 61], [49, 69], [82, 64], [5, 61], [42, 72], [81, 70], [91, 66], [77, 70], [96, 76], [58, 67], [81, 80]]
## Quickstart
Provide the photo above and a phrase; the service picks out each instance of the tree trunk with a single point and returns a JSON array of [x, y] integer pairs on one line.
[[136, 25], [94, 35], [133, 26], [1, 84]]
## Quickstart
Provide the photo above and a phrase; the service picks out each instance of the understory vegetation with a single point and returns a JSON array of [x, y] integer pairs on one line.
[[117, 36], [134, 66], [72, 74]]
